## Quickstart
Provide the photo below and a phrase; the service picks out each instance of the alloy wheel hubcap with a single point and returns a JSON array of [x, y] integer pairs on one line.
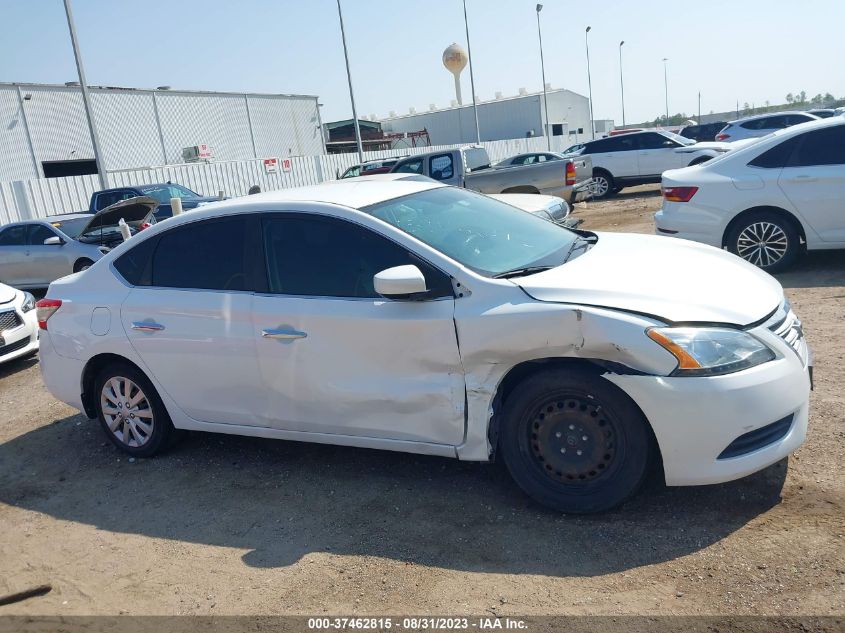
[[573, 439], [601, 186], [127, 411], [762, 243]]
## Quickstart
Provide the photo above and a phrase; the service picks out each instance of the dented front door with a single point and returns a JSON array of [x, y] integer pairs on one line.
[[361, 366]]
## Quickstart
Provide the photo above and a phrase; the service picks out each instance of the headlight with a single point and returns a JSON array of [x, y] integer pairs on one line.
[[709, 351], [28, 302]]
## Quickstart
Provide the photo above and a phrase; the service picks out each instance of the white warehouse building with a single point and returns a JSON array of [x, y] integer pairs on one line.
[[501, 118], [44, 132]]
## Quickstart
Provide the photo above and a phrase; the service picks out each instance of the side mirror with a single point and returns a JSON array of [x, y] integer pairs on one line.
[[400, 282], [54, 241]]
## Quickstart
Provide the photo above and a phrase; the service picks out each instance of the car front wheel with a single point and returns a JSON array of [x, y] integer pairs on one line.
[[574, 441], [131, 412]]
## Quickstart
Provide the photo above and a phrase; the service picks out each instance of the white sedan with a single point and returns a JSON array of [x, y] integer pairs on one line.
[[766, 202], [394, 312], [18, 324]]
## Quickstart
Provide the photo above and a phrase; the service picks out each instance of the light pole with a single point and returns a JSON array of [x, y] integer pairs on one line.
[[471, 78], [621, 82], [86, 99], [543, 70], [590, 84], [666, 87], [351, 94]]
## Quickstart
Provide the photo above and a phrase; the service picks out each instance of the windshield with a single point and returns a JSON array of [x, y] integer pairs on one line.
[[71, 228], [163, 193], [485, 235], [683, 140]]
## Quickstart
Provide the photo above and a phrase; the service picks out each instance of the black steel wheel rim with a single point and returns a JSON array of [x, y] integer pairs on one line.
[[574, 440]]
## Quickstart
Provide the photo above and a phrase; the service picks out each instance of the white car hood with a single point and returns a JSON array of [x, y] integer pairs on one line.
[[675, 280], [6, 294]]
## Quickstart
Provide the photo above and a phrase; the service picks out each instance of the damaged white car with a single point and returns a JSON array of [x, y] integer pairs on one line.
[[393, 312]]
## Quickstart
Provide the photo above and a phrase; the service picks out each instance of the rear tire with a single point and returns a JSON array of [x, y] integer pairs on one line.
[[131, 412], [603, 185], [82, 264], [545, 422], [766, 239]]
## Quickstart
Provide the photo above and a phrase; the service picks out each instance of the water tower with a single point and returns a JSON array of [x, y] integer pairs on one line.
[[455, 60]]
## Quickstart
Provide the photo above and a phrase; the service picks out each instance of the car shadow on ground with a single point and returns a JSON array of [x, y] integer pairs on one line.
[[284, 500], [19, 364], [816, 269]]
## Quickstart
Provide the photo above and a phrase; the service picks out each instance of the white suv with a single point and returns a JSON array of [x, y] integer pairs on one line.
[[641, 157], [761, 125], [766, 202]]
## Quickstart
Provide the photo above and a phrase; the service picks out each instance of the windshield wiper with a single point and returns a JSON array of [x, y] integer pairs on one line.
[[520, 272]]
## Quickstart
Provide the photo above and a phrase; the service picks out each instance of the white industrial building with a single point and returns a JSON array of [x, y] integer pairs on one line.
[[501, 118], [44, 132]]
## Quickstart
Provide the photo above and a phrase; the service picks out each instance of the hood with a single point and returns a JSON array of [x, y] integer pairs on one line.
[[131, 210], [676, 280], [7, 294]]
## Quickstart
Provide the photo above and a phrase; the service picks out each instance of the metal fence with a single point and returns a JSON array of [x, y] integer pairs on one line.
[[27, 199]]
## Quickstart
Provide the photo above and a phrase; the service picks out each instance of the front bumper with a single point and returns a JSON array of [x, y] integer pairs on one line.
[[695, 419], [21, 340]]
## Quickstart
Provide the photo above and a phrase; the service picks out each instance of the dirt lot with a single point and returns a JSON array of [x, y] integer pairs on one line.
[[228, 525]]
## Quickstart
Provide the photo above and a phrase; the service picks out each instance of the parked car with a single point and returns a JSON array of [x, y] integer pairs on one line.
[[530, 158], [371, 167], [549, 208], [761, 125], [18, 324], [35, 252], [161, 192], [766, 202], [705, 132], [641, 157], [823, 113], [470, 167], [393, 312]]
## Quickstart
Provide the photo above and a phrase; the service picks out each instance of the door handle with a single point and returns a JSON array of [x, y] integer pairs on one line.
[[147, 326], [283, 335], [804, 178]]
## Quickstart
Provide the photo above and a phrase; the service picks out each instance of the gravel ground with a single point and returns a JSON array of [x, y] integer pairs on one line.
[[229, 525]]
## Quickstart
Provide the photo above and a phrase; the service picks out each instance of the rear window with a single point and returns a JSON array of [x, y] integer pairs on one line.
[[821, 147], [210, 254]]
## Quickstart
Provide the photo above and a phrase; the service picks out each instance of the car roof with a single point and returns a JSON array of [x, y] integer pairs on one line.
[[354, 193], [63, 217], [768, 114]]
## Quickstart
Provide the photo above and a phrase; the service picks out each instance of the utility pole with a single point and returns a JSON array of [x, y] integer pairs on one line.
[[351, 93], [86, 99], [471, 78], [621, 82], [543, 71], [666, 87], [590, 84]]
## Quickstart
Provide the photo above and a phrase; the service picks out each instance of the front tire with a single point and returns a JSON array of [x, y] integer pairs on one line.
[[574, 442], [767, 240], [131, 412]]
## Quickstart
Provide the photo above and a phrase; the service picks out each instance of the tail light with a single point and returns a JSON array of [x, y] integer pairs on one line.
[[570, 173], [44, 309], [679, 194], [722, 137]]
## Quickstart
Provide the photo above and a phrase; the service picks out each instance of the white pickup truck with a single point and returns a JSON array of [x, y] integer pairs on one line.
[[639, 158]]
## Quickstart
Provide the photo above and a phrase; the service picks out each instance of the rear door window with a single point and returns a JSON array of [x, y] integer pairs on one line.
[[13, 236], [213, 254], [109, 198]]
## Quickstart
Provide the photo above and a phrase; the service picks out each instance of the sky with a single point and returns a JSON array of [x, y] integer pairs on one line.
[[739, 50]]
